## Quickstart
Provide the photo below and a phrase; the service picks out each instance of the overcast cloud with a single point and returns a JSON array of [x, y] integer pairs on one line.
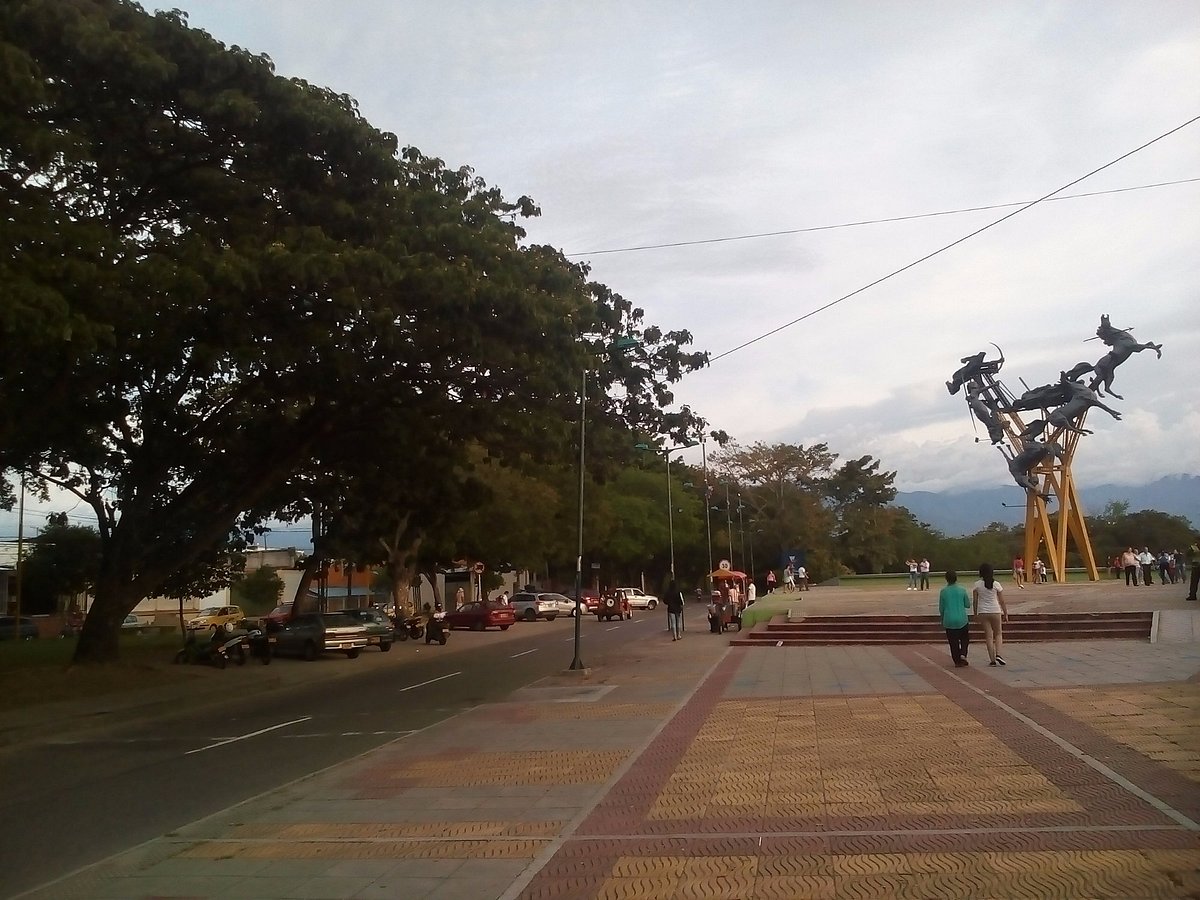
[[646, 123]]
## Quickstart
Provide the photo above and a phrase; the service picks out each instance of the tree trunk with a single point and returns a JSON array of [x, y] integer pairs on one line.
[[300, 599], [99, 642]]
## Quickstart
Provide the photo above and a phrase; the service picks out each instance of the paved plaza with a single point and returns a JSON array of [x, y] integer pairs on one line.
[[696, 769]]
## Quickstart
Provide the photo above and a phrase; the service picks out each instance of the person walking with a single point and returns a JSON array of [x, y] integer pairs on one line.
[[989, 607], [953, 606], [789, 579], [675, 610], [770, 580], [1193, 564], [802, 578], [1018, 568]]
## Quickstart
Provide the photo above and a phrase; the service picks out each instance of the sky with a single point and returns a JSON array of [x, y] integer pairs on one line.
[[634, 124]]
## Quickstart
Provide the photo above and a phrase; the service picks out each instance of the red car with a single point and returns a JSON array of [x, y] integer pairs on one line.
[[478, 616]]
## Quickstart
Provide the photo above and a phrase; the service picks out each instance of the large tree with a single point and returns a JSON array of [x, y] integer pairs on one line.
[[212, 270]]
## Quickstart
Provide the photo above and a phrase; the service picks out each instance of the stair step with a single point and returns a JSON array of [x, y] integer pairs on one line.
[[926, 629]]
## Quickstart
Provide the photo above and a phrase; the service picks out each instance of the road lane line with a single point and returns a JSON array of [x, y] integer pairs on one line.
[[524, 652], [243, 737], [413, 687], [612, 628]]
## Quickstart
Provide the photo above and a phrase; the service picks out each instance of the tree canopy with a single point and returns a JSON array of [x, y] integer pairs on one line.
[[218, 274]]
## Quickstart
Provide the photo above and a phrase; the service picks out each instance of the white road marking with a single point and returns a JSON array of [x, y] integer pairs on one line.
[[318, 734], [524, 652], [612, 628], [242, 737], [413, 687]]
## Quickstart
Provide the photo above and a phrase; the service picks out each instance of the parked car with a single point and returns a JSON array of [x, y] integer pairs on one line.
[[310, 635], [25, 630], [566, 605], [214, 617], [610, 606], [380, 631], [637, 599], [529, 607], [480, 615], [281, 613], [133, 623]]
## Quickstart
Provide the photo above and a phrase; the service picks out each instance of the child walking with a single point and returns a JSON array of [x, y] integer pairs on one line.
[[953, 603]]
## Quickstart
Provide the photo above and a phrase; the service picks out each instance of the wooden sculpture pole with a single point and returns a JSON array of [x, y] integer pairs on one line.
[[1054, 480]]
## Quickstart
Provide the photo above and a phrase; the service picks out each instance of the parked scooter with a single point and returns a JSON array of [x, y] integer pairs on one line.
[[222, 648], [436, 630], [410, 627]]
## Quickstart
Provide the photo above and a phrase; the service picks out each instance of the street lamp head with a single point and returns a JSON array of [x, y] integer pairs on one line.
[[625, 342], [641, 446]]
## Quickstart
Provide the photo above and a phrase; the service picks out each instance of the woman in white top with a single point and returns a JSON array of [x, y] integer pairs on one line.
[[989, 608]]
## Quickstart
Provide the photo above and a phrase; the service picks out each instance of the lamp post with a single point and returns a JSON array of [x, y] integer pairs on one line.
[[621, 343], [728, 523], [666, 452], [707, 510], [742, 531], [576, 661]]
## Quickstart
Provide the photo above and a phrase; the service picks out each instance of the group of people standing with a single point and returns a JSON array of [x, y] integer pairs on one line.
[[795, 578], [1037, 572], [918, 574], [986, 603], [1139, 567]]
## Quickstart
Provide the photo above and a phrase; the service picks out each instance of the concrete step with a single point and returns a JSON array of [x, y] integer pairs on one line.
[[886, 629]]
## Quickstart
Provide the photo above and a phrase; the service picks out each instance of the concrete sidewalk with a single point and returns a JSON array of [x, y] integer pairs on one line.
[[693, 769]]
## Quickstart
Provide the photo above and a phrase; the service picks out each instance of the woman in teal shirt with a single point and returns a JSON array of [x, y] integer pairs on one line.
[[953, 603]]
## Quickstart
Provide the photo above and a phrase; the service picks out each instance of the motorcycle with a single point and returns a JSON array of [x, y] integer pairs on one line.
[[436, 630], [224, 648], [410, 627]]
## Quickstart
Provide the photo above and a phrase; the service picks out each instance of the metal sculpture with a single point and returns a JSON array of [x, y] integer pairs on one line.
[[1123, 346], [1039, 453], [1033, 453]]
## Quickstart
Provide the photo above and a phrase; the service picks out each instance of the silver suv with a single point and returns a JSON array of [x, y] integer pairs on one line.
[[531, 607]]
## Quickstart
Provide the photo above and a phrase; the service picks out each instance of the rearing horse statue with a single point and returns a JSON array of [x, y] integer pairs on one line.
[[1123, 346]]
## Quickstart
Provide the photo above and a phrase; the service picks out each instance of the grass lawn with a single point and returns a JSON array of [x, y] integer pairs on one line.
[[36, 672]]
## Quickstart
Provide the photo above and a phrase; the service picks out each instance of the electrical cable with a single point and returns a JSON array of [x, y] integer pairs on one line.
[[955, 243], [909, 218]]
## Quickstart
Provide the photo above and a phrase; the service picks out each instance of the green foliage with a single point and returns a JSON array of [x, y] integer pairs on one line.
[[258, 592], [64, 561], [236, 299]]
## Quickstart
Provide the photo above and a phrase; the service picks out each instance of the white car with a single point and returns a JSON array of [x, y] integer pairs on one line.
[[564, 604], [637, 599]]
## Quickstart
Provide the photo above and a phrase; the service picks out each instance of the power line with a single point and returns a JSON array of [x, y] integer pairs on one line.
[[955, 243], [909, 218]]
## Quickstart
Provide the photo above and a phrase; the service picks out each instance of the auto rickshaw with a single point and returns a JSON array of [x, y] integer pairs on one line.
[[724, 613]]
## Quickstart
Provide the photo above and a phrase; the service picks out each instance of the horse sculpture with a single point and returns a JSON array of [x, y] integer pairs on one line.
[[1123, 346], [1033, 453], [1081, 399]]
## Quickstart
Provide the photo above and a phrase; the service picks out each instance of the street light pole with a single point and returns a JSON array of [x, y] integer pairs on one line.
[[670, 514], [707, 510], [728, 523], [742, 531], [576, 662]]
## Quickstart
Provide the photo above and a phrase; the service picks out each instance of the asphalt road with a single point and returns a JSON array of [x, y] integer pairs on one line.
[[66, 803]]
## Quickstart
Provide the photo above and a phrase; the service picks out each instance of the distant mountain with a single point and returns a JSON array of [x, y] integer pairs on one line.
[[966, 512]]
